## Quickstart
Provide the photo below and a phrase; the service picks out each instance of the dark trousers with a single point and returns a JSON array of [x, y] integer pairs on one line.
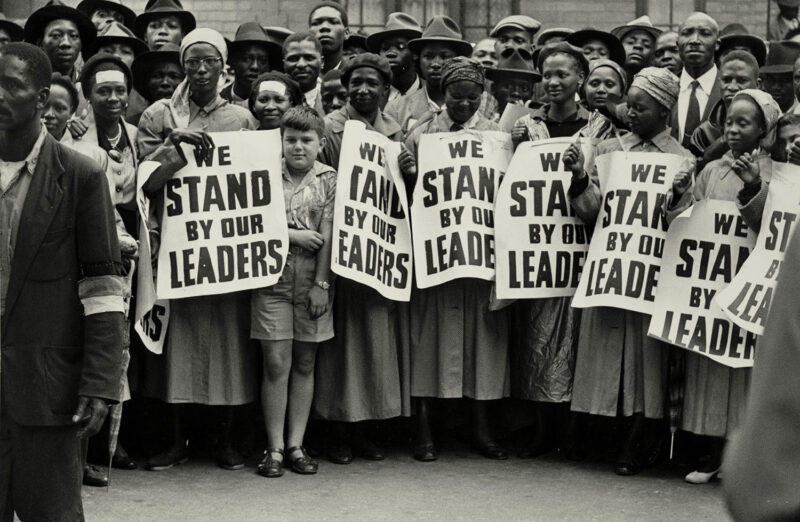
[[41, 471]]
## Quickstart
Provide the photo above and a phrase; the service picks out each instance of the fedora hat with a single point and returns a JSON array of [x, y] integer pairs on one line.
[[553, 32], [514, 63], [88, 7], [37, 23], [642, 23], [278, 34], [115, 32], [397, 24], [445, 30], [144, 63], [525, 23], [781, 57], [355, 40], [14, 31], [250, 33], [755, 45], [160, 8], [615, 50]]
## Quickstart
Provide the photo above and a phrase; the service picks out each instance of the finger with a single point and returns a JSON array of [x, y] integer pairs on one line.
[[208, 141], [80, 412]]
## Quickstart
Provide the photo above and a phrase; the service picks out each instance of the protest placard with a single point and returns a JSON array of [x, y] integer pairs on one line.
[[511, 114], [371, 229], [705, 247], [452, 216], [224, 222], [541, 243], [748, 298], [624, 258]]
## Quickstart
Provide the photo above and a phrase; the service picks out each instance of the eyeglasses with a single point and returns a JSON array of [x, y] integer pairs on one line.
[[192, 64]]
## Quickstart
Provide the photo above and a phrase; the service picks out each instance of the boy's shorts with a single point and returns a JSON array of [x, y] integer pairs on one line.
[[280, 313]]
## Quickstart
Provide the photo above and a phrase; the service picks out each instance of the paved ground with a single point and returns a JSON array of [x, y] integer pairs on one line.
[[460, 486]]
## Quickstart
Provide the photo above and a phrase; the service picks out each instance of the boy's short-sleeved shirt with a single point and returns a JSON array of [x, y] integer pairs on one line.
[[311, 201]]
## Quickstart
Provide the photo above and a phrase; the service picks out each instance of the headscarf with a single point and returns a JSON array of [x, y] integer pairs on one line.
[[179, 103], [605, 62], [462, 68], [659, 83], [770, 110]]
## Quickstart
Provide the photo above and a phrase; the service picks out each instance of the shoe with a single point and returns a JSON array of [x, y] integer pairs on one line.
[[303, 464], [167, 459], [371, 451], [229, 458], [121, 460], [627, 467], [341, 454], [425, 452], [270, 467], [700, 477], [491, 450], [95, 477]]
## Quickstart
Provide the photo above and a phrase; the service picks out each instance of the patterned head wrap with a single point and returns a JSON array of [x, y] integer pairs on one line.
[[659, 83], [461, 68]]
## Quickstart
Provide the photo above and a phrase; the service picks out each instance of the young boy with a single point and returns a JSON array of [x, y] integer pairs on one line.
[[292, 317]]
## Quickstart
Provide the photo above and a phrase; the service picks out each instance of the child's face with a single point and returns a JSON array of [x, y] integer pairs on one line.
[[787, 136], [512, 90], [300, 148], [334, 95], [462, 99], [561, 78], [743, 128]]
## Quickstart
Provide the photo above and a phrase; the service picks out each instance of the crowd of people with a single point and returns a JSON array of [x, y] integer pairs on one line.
[[123, 88]]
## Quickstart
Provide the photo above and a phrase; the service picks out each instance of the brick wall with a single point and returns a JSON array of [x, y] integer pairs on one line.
[[226, 15]]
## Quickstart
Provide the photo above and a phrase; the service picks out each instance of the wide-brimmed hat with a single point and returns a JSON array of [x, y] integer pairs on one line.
[[278, 34], [445, 30], [357, 40], [616, 51], [92, 63], [88, 7], [781, 57], [115, 32], [553, 32], [756, 46], [14, 31], [514, 63], [642, 23], [563, 47], [250, 33], [145, 62], [397, 24], [525, 23], [160, 8], [37, 22]]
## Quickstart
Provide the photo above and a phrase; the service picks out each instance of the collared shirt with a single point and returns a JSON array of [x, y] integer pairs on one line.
[[310, 202], [706, 83], [334, 131], [16, 180], [394, 92], [410, 109], [443, 123], [310, 97]]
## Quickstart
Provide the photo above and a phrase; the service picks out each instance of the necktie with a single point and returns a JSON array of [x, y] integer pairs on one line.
[[692, 115]]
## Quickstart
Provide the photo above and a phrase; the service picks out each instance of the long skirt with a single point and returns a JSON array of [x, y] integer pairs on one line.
[[458, 347], [543, 356], [619, 369], [359, 373], [714, 396], [208, 356]]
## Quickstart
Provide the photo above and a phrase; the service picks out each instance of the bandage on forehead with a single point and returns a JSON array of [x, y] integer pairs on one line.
[[272, 85], [109, 76]]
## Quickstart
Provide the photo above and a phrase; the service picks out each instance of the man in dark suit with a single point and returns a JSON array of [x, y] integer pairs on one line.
[[700, 92], [61, 299]]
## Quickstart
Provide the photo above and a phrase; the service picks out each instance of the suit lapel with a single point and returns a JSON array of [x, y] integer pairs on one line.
[[41, 204], [713, 98]]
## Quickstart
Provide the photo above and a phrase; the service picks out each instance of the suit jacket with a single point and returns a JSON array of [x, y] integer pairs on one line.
[[66, 255], [713, 99]]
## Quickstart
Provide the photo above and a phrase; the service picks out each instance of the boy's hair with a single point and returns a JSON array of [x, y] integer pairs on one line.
[[303, 119], [743, 56], [302, 37], [38, 68], [65, 83]]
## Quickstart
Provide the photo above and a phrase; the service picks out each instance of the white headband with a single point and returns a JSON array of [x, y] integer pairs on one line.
[[272, 85], [109, 76]]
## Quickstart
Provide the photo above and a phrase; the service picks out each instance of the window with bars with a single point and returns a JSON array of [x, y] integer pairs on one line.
[[668, 14]]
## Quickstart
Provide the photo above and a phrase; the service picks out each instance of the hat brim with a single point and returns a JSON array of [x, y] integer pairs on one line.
[[495, 74], [374, 40], [757, 46], [37, 22], [621, 31], [462, 47], [15, 32], [88, 7], [616, 51], [138, 46], [776, 69], [274, 51], [563, 32], [144, 63], [188, 22]]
